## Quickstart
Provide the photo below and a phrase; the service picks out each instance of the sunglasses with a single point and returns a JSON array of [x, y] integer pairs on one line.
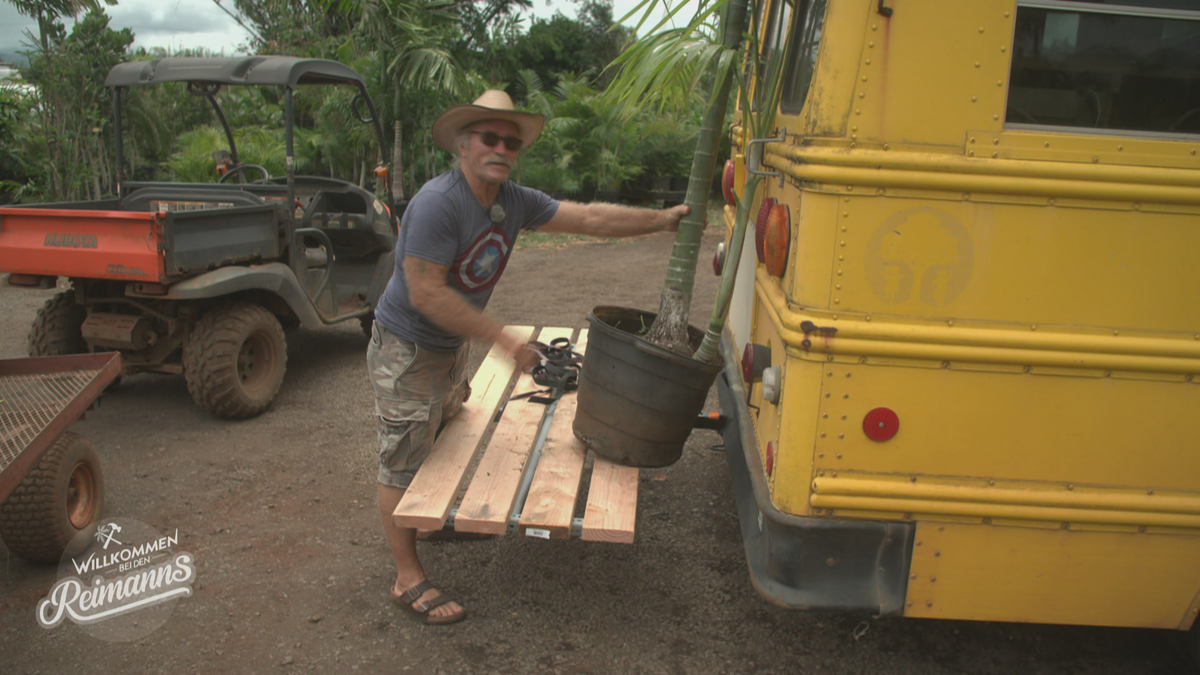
[[491, 138]]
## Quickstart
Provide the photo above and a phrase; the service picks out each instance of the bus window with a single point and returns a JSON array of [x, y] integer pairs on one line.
[[802, 58], [1132, 67], [780, 14]]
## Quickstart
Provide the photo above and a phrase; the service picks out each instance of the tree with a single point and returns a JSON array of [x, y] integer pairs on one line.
[[48, 12], [665, 65], [73, 107]]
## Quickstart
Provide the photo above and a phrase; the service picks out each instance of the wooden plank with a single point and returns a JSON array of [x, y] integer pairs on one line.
[[612, 503], [551, 502], [427, 502], [489, 499]]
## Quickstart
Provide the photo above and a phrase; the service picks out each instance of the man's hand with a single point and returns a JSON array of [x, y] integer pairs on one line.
[[525, 356], [674, 215]]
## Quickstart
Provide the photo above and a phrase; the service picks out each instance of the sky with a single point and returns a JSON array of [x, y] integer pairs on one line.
[[175, 24]]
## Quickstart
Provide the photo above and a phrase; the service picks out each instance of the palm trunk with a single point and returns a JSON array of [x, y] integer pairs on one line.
[[670, 329]]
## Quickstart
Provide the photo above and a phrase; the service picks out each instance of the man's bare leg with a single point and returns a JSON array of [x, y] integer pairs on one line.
[[403, 542]]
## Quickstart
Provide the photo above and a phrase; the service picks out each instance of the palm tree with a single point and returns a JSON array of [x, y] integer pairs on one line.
[[411, 39], [659, 69]]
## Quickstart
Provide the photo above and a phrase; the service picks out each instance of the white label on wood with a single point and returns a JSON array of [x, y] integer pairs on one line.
[[535, 532]]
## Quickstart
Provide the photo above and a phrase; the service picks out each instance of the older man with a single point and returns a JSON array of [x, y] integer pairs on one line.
[[455, 239]]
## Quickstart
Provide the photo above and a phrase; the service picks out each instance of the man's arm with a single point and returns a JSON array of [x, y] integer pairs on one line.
[[432, 297], [613, 220]]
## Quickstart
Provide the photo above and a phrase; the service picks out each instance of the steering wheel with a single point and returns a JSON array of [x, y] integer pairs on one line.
[[242, 167]]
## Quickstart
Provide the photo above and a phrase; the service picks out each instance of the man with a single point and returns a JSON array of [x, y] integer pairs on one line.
[[455, 239]]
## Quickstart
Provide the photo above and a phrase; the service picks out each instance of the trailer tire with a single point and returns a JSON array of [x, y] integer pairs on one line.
[[57, 330], [61, 497], [234, 360]]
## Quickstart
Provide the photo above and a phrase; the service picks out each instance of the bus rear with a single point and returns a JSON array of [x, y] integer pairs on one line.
[[963, 348]]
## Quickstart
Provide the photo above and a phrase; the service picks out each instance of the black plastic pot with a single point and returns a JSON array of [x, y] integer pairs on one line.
[[637, 402]]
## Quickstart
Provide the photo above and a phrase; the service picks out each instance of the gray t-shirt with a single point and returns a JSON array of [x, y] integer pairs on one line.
[[446, 225]]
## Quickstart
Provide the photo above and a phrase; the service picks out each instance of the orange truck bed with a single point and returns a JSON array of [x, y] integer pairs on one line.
[[126, 245], [76, 243]]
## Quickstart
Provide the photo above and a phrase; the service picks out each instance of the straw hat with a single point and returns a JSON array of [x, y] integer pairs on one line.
[[491, 105]]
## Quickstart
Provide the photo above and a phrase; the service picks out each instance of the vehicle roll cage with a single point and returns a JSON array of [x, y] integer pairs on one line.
[[205, 76]]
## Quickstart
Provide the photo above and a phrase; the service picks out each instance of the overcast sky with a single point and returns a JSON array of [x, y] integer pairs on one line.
[[198, 23]]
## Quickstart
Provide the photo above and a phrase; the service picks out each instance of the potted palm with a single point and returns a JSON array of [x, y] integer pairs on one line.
[[646, 375]]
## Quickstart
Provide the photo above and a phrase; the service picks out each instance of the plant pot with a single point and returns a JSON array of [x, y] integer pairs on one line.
[[637, 402]]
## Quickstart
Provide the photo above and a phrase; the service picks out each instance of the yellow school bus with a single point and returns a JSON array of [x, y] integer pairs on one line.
[[963, 349]]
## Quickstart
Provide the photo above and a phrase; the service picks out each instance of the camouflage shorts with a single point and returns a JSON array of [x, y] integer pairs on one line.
[[416, 391]]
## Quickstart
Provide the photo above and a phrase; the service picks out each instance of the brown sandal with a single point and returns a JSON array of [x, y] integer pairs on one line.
[[421, 611]]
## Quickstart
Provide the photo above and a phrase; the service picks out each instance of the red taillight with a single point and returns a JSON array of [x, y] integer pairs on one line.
[[760, 226], [770, 463], [727, 182], [755, 359], [777, 240], [881, 424]]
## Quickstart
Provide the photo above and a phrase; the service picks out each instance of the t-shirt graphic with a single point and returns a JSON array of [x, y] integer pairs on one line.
[[479, 268]]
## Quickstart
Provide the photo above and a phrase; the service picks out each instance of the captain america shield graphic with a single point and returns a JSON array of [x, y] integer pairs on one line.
[[479, 268]]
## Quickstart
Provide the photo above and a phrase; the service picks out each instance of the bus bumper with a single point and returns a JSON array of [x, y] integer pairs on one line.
[[802, 562]]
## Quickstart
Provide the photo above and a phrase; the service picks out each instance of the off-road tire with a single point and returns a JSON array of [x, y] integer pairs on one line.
[[57, 330], [234, 360], [61, 497]]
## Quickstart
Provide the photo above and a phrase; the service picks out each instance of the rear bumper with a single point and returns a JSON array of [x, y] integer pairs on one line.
[[800, 562]]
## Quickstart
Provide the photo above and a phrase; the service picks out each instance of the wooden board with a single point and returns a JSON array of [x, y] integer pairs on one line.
[[612, 503], [427, 502], [489, 500], [550, 505]]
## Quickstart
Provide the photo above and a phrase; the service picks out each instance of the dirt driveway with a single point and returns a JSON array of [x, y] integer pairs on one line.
[[292, 570]]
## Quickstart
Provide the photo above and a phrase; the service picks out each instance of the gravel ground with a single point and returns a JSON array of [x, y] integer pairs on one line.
[[292, 570]]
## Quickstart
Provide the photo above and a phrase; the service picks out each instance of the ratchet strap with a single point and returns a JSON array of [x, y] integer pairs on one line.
[[558, 371]]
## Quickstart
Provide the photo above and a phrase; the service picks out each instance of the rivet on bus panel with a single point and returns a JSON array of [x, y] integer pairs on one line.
[[950, 322], [1189, 378], [1120, 148], [929, 603], [1033, 327], [945, 364], [863, 359], [909, 603], [933, 580], [862, 94], [868, 318], [1150, 491], [838, 287], [1066, 526], [847, 375], [871, 44], [874, 26], [843, 395], [913, 479], [1027, 368], [981, 29], [858, 111], [1006, 15], [978, 64], [868, 62], [974, 99], [914, 578], [987, 521], [995, 141], [1193, 152], [1137, 207], [995, 155], [1142, 528], [919, 542], [886, 146], [937, 554], [971, 153], [1116, 332], [821, 455], [1095, 160], [999, 83], [864, 78], [972, 139], [1070, 487], [834, 475], [1108, 373], [991, 482], [996, 117], [843, 228], [843, 416], [1003, 48]]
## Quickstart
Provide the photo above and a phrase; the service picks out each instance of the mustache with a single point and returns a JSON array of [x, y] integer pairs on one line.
[[498, 159]]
